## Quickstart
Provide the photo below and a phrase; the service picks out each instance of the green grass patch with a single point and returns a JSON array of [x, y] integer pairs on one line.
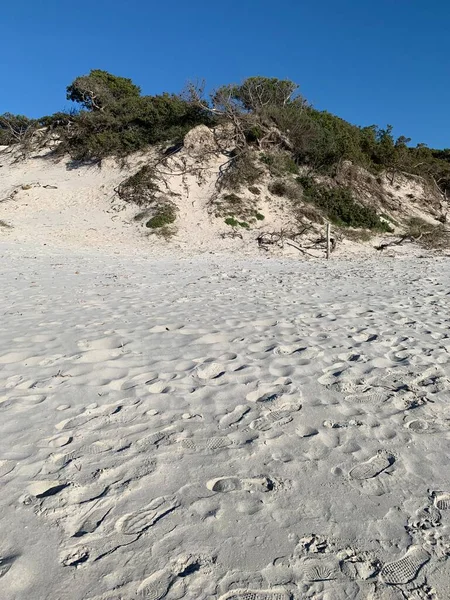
[[235, 223]]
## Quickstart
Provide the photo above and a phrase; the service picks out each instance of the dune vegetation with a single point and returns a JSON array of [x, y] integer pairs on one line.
[[272, 127]]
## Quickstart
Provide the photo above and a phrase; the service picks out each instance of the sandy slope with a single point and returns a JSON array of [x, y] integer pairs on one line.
[[47, 202], [222, 428]]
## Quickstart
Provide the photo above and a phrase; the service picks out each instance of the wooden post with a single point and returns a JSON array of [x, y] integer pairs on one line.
[[328, 241]]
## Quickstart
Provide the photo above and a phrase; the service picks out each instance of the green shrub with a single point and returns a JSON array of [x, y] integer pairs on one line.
[[307, 211], [287, 189], [114, 119], [100, 90], [117, 120], [280, 163], [260, 217], [232, 200], [340, 207], [256, 93], [237, 210], [128, 126], [241, 171], [141, 188], [165, 216], [253, 133], [16, 129]]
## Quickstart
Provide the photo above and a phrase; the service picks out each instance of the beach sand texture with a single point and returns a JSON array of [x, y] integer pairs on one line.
[[221, 428]]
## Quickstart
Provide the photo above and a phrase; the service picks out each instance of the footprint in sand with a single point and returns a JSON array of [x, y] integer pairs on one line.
[[205, 444], [276, 418], [24, 402], [427, 517], [232, 484], [320, 569], [210, 370], [6, 563], [441, 500], [386, 592], [56, 462], [90, 522], [157, 585], [105, 343], [234, 416], [420, 426], [137, 522], [60, 441], [82, 494], [96, 448], [288, 350], [6, 466], [279, 417], [370, 397], [305, 431], [406, 568], [260, 424], [362, 566], [159, 387], [246, 594], [372, 467], [150, 440], [268, 393]]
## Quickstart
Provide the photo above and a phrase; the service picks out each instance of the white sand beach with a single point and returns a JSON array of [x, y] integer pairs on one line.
[[215, 427]]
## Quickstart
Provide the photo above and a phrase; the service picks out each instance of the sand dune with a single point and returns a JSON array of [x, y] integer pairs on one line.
[[221, 428]]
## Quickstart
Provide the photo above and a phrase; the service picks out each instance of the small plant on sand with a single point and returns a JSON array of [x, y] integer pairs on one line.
[[164, 216], [140, 188], [235, 223], [237, 210], [285, 189], [232, 200]]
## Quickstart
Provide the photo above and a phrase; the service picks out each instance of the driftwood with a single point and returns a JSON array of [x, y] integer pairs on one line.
[[291, 238], [404, 238], [431, 239]]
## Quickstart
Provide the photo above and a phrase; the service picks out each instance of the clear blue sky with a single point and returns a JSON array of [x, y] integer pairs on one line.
[[369, 61]]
